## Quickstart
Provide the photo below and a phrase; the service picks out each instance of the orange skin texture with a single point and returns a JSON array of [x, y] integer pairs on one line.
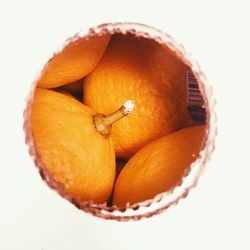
[[71, 148], [154, 79], [75, 61], [159, 166]]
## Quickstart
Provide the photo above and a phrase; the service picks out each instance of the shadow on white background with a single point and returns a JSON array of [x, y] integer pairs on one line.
[[215, 215]]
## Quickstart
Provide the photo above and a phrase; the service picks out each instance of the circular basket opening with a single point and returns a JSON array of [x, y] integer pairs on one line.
[[140, 79]]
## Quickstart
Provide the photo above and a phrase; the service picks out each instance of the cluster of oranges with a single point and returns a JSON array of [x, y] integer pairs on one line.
[[91, 143]]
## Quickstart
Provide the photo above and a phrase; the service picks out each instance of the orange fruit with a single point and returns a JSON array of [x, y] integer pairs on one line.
[[159, 166], [71, 148], [75, 61], [152, 77]]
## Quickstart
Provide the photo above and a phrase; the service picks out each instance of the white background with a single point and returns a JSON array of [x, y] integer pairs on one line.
[[215, 215]]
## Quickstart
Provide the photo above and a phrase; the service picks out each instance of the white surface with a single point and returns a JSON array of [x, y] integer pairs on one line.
[[216, 213]]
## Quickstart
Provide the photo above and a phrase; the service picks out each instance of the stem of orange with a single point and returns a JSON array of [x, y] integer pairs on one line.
[[104, 123]]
